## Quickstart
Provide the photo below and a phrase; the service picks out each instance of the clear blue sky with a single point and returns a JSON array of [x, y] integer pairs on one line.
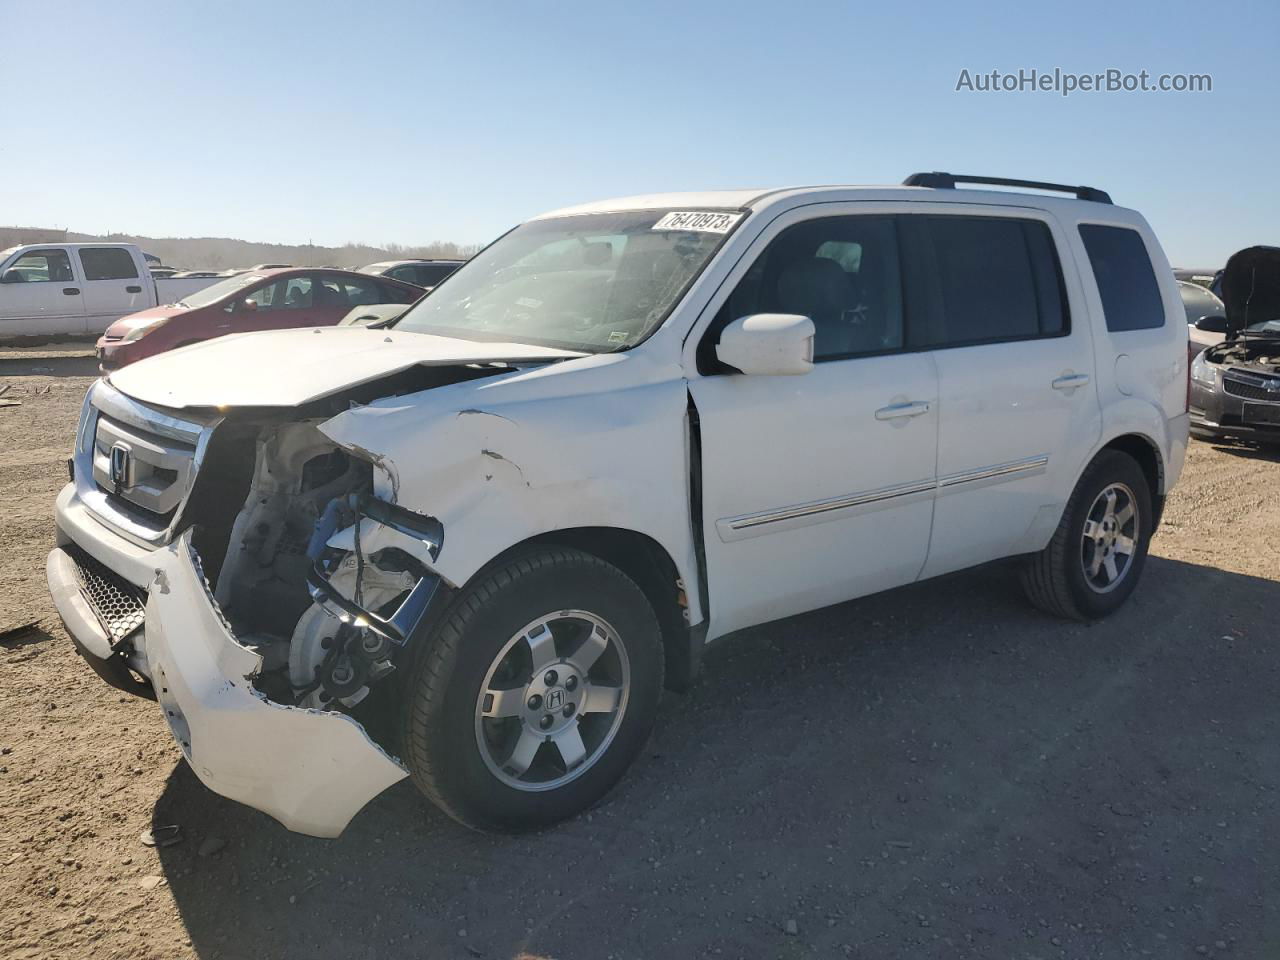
[[411, 122]]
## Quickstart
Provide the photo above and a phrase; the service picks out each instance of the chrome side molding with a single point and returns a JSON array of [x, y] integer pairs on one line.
[[746, 525]]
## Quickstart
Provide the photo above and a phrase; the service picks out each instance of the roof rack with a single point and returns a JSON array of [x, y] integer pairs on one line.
[[947, 181]]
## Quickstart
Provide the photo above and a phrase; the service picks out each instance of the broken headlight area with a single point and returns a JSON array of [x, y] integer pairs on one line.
[[308, 567], [365, 611]]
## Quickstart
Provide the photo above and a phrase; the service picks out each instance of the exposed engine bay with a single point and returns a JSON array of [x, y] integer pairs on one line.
[[1257, 354], [328, 621], [310, 657]]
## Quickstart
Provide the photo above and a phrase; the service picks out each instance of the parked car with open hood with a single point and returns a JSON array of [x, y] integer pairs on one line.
[[257, 300], [1235, 385], [620, 432]]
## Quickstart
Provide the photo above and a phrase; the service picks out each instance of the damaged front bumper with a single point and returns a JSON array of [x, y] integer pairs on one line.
[[311, 770]]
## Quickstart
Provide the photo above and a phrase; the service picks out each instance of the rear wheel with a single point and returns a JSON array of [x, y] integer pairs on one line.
[[1096, 555], [536, 693]]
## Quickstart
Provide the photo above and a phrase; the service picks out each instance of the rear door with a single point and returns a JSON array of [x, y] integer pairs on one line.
[[113, 286], [40, 295], [1018, 405]]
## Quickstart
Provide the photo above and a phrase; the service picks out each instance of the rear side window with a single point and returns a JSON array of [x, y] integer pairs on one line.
[[107, 263], [996, 279], [1126, 280]]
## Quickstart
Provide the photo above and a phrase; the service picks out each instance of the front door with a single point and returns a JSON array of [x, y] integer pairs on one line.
[[39, 294], [817, 488], [279, 304]]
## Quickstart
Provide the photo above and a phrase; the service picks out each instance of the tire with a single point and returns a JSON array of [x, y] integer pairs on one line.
[[487, 641], [1058, 579]]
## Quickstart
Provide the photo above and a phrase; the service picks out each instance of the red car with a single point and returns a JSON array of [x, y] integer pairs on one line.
[[257, 300]]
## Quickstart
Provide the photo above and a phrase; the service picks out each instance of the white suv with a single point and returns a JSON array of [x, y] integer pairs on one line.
[[483, 539]]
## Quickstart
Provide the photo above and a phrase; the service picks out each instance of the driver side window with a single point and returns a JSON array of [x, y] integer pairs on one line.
[[840, 272], [291, 293], [40, 266]]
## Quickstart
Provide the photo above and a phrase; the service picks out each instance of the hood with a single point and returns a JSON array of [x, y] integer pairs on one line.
[[141, 318], [1251, 286], [285, 368]]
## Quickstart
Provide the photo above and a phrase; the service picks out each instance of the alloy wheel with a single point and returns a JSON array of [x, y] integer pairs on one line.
[[1110, 538], [552, 700]]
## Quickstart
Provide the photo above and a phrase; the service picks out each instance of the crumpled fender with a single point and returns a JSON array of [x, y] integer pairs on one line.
[[593, 442]]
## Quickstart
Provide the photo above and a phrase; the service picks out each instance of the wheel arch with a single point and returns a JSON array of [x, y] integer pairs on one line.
[[647, 562], [1146, 452]]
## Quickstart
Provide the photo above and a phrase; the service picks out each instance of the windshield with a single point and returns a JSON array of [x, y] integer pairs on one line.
[[216, 291], [595, 283]]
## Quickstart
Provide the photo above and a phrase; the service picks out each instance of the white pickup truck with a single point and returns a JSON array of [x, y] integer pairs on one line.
[[49, 289]]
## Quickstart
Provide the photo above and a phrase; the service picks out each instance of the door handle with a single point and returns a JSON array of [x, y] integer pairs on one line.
[[71, 291], [133, 289], [911, 408], [1070, 381]]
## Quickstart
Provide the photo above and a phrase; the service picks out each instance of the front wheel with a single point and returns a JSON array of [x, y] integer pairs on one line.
[[536, 693], [1096, 555]]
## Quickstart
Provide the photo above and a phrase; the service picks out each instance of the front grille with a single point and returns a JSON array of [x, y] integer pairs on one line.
[[119, 605], [157, 470], [1250, 386], [135, 464]]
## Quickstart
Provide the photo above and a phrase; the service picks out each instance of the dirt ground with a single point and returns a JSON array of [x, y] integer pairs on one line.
[[937, 771]]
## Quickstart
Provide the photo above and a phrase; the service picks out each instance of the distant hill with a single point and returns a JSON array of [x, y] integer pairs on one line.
[[222, 253], [13, 236]]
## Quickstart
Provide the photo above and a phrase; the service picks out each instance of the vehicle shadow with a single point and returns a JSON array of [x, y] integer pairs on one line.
[[1269, 452], [49, 365], [938, 769], [15, 637]]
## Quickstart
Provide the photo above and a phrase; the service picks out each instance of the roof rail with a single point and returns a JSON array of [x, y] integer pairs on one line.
[[947, 181]]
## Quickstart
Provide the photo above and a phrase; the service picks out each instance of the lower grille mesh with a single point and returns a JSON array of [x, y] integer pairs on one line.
[[118, 604]]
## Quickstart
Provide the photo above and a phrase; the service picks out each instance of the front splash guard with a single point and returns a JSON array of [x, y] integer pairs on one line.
[[311, 770]]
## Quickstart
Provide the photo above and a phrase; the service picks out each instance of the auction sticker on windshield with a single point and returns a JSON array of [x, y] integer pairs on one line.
[[698, 221]]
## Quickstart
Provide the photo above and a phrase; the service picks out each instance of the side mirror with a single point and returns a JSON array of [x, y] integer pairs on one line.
[[12, 276], [768, 344], [248, 305], [1212, 324]]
